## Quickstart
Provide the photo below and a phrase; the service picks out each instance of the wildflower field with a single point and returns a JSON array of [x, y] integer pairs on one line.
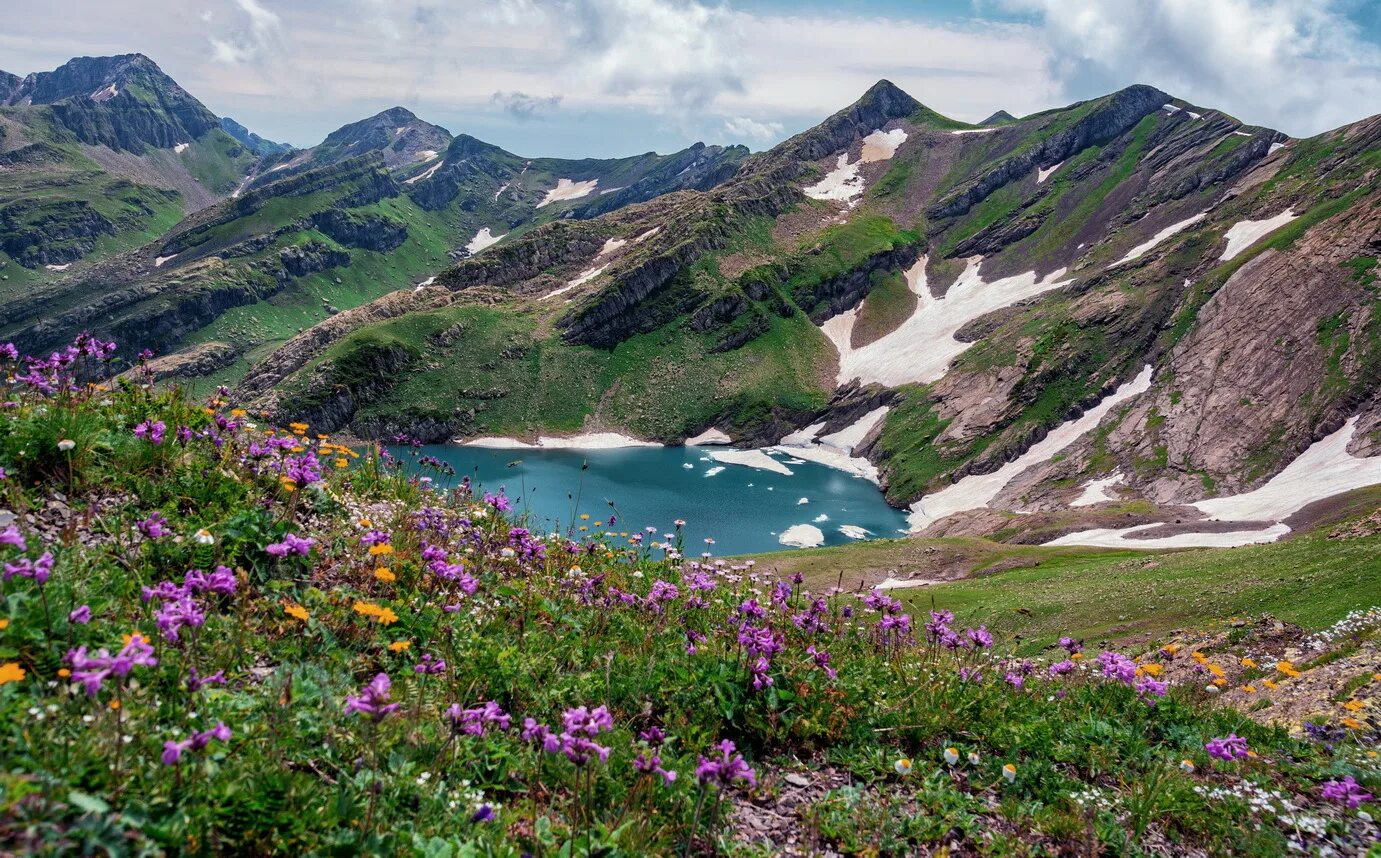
[[217, 637]]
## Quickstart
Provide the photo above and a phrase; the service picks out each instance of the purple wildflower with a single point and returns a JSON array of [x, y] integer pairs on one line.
[[1347, 791], [726, 769], [81, 616], [154, 527], [1229, 748], [373, 699], [291, 544]]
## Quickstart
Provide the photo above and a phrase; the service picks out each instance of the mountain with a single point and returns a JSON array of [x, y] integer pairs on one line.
[[999, 118], [123, 102], [251, 141], [1082, 303], [101, 155], [377, 206]]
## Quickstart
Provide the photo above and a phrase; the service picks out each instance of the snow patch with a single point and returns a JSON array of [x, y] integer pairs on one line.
[[181, 147], [751, 459], [709, 437], [1244, 234], [1193, 115], [842, 183], [1096, 491], [484, 238], [159, 260], [974, 131], [63, 267], [1242, 133], [1140, 249], [425, 174], [105, 93], [645, 236], [820, 518], [427, 154], [587, 441], [921, 349], [881, 145], [1118, 538], [1170, 107], [610, 246], [1043, 174], [717, 469], [802, 536], [853, 531], [429, 281], [501, 189], [902, 584], [835, 450], [1323, 470], [1274, 146], [567, 190], [976, 491], [581, 279]]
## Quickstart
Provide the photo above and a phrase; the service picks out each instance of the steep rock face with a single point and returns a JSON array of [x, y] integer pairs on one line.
[[1280, 356], [124, 102], [344, 384], [360, 181], [698, 168], [469, 164], [1113, 116], [201, 359], [9, 84], [300, 260], [367, 231], [35, 233]]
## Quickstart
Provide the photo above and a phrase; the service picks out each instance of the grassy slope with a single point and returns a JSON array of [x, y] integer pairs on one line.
[[1121, 596]]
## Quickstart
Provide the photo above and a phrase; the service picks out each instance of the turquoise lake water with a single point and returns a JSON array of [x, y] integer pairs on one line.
[[743, 509]]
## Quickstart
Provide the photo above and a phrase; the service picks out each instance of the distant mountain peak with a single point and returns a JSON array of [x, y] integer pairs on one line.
[[124, 102], [251, 141], [998, 118]]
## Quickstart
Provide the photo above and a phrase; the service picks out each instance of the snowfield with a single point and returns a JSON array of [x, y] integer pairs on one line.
[[1109, 538], [922, 348], [976, 491], [1325, 469], [1096, 491], [841, 184], [1140, 250], [1044, 173], [709, 437], [484, 238], [425, 174], [882, 145], [567, 190], [581, 279], [1244, 234]]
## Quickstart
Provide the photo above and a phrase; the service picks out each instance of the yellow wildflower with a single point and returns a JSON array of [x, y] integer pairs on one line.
[[1216, 670], [385, 574], [584, 516], [342, 463], [1287, 668], [1153, 669], [1249, 689], [297, 611], [1353, 705], [238, 412], [11, 672], [1270, 683], [1247, 662], [1353, 724], [399, 646], [4, 624], [381, 548]]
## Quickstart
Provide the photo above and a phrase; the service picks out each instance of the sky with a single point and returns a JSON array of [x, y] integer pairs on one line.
[[603, 78]]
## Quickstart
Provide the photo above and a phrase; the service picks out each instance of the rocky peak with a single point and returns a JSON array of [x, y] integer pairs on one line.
[[9, 83], [999, 118], [124, 102], [251, 141], [397, 132]]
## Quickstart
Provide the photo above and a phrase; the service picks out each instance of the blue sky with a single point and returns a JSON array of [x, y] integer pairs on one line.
[[616, 77]]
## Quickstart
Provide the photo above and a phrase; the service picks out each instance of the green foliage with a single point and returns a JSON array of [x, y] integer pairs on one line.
[[535, 624]]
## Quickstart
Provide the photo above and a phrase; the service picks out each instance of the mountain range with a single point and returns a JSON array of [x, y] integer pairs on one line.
[[1130, 320]]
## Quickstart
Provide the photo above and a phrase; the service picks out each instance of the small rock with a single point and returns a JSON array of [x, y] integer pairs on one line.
[[797, 780]]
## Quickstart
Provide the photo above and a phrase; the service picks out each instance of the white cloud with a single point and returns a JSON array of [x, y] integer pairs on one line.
[[1298, 66], [745, 128], [680, 51], [525, 106], [262, 32]]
